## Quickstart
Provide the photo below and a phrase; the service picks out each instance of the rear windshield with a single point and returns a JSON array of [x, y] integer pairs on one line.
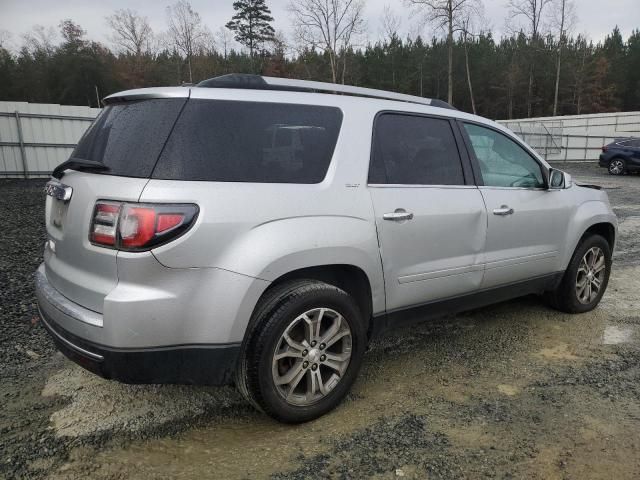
[[229, 141], [128, 137]]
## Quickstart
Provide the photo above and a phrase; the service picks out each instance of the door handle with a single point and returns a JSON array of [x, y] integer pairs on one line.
[[399, 215], [503, 210]]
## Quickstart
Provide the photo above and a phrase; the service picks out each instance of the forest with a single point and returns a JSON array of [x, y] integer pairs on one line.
[[530, 72]]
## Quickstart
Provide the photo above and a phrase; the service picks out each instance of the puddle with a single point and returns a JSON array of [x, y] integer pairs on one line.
[[614, 335]]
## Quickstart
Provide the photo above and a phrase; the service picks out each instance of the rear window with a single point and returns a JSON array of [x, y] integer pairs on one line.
[[230, 141], [129, 137]]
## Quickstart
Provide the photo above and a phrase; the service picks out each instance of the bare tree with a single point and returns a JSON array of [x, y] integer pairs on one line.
[[330, 25], [447, 15], [130, 32], [389, 24], [465, 27], [563, 19], [185, 30], [5, 39], [40, 39], [532, 11], [224, 40]]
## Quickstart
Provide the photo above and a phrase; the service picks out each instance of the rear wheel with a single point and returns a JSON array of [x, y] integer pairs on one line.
[[617, 166], [586, 277], [304, 351]]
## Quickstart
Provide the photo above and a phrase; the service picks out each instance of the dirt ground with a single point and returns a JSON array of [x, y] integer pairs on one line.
[[515, 390]]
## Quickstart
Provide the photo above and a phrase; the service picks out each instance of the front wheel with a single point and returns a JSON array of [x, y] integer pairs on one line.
[[586, 278], [304, 351], [617, 166]]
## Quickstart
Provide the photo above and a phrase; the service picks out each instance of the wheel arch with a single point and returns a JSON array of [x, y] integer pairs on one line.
[[591, 217], [350, 278], [604, 229]]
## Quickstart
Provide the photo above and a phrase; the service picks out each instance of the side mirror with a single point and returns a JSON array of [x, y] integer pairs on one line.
[[558, 179]]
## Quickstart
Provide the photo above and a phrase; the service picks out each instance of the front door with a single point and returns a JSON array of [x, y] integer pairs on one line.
[[431, 223], [526, 221]]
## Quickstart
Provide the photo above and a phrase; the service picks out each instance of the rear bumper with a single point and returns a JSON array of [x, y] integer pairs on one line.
[[209, 364], [603, 161]]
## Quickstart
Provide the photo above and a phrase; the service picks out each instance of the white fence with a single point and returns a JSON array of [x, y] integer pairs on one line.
[[575, 137], [34, 138]]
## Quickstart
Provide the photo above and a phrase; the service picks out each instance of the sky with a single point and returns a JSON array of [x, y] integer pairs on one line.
[[595, 18]]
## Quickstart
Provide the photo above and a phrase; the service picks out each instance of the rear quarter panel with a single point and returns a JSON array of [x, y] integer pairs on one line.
[[267, 230]]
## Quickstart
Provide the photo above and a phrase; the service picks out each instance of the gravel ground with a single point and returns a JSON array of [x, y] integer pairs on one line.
[[509, 391]]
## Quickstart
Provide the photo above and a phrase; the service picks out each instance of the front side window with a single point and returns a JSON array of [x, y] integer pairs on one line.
[[503, 163], [233, 141], [414, 150]]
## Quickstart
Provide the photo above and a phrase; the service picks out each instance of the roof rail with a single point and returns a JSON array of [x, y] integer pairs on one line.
[[258, 82]]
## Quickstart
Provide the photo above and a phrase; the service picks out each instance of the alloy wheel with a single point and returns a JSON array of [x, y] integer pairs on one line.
[[312, 356], [616, 167], [590, 276]]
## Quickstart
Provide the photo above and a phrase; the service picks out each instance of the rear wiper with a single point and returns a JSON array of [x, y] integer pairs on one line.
[[80, 164]]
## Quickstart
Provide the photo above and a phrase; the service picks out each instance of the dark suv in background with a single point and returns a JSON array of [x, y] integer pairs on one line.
[[621, 156]]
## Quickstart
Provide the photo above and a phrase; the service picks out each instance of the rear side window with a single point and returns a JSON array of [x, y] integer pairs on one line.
[[230, 141], [414, 150], [129, 137]]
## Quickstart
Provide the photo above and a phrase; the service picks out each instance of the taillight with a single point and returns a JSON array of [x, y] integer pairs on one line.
[[105, 223], [135, 227], [604, 148]]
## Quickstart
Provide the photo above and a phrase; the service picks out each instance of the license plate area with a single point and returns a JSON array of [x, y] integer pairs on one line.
[[58, 209]]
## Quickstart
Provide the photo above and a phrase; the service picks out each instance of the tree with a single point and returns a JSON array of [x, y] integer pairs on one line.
[[131, 33], [251, 23], [223, 41], [563, 18], [185, 30], [448, 15], [389, 24], [329, 25], [532, 11]]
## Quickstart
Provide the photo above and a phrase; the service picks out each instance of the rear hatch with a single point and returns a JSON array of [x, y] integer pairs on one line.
[[127, 139]]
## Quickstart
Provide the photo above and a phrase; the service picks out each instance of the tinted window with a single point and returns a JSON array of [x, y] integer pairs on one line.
[[414, 150], [229, 141], [129, 137], [503, 162]]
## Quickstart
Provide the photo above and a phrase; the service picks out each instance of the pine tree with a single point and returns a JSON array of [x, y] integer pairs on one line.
[[251, 24]]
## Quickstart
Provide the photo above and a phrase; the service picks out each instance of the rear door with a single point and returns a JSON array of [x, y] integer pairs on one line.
[[431, 221], [526, 221], [128, 139]]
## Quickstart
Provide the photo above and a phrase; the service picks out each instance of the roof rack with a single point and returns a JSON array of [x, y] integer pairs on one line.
[[258, 82]]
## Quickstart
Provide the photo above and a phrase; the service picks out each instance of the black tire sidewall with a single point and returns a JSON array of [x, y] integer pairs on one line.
[[317, 295]]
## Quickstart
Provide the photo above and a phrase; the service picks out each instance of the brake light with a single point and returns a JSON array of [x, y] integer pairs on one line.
[[135, 227], [604, 148]]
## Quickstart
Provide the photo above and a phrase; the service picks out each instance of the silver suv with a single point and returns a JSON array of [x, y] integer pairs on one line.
[[261, 231]]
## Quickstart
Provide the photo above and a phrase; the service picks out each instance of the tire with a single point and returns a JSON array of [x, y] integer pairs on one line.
[[617, 166], [282, 310], [568, 296]]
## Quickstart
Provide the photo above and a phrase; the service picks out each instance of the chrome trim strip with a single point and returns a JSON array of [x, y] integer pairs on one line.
[[510, 262], [410, 185], [58, 190], [69, 344], [449, 272]]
